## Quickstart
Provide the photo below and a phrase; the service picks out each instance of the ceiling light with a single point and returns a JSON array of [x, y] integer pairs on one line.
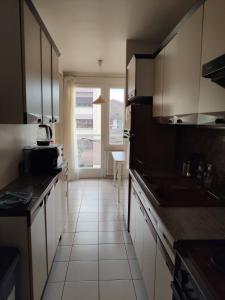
[[100, 100]]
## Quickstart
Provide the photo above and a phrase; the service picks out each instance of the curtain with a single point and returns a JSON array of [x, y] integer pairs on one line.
[[69, 128]]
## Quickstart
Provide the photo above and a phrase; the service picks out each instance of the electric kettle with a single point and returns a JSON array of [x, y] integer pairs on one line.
[[44, 135]]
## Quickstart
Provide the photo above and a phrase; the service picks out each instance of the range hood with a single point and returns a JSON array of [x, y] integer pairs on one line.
[[215, 70]]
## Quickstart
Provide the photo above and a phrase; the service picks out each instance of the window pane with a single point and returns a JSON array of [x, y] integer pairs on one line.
[[88, 133], [116, 115]]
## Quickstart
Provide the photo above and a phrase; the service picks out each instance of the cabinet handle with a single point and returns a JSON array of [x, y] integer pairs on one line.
[[39, 120], [179, 121], [220, 121], [41, 204]]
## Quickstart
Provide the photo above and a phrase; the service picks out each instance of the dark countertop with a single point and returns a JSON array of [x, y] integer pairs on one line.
[[38, 184], [188, 223]]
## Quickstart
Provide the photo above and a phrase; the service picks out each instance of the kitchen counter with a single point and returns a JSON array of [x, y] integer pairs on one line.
[[38, 184], [187, 223]]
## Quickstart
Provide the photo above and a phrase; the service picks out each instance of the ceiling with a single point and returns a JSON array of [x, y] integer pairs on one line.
[[87, 30]]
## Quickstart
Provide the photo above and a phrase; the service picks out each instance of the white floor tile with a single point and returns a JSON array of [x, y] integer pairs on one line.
[[87, 238], [110, 226], [67, 239], [53, 291], [111, 237], [88, 217], [140, 290], [63, 253], [112, 251], [87, 226], [114, 269], [117, 289], [82, 271], [84, 252], [58, 271], [130, 251], [135, 270], [85, 290]]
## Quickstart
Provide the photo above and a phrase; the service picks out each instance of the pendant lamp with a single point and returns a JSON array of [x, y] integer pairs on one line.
[[100, 100]]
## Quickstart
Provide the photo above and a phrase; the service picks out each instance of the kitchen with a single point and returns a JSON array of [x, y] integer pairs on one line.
[[173, 206]]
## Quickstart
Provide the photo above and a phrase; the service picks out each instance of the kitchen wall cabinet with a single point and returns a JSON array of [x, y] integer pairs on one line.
[[176, 92], [32, 54], [26, 65], [213, 45], [158, 84], [140, 76], [55, 87], [50, 216], [46, 78], [188, 69], [163, 277], [169, 78], [38, 252]]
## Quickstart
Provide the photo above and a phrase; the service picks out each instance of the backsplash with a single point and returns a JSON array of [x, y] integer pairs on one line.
[[209, 142], [13, 138]]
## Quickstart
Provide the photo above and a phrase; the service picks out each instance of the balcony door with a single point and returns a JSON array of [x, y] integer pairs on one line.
[[88, 132]]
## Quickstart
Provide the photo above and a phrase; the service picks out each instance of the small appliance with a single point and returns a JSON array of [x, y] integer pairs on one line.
[[44, 135], [43, 158]]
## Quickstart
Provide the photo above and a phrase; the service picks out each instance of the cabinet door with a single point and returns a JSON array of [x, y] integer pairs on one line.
[[55, 86], [32, 45], [46, 79], [213, 45], [158, 85], [133, 206], [163, 277], [38, 253], [131, 79], [60, 210], [188, 61], [50, 227], [149, 258], [170, 77], [139, 235]]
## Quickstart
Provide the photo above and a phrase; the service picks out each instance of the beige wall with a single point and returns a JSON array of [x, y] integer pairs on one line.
[[12, 140]]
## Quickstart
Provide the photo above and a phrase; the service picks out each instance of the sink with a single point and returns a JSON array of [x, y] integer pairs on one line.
[[175, 190]]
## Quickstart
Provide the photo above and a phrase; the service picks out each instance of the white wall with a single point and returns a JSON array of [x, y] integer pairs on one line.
[[12, 140]]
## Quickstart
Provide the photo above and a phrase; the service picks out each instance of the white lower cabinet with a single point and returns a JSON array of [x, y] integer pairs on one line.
[[133, 204], [163, 276], [152, 261], [139, 235], [149, 258], [38, 252], [50, 226]]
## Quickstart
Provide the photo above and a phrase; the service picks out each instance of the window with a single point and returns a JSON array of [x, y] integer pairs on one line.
[[84, 123], [116, 116], [88, 133]]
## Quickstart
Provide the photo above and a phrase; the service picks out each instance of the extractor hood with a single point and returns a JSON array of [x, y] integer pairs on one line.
[[215, 70]]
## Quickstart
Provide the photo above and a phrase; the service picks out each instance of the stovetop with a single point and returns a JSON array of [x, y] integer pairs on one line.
[[172, 189], [206, 265]]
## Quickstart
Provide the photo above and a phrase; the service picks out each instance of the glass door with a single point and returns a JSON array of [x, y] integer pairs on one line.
[[88, 131]]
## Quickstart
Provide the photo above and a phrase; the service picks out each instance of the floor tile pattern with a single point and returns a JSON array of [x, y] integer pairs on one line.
[[95, 259]]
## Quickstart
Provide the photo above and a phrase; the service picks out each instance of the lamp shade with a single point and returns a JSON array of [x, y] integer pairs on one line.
[[100, 100]]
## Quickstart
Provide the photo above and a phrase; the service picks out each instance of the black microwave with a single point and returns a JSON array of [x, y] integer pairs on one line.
[[43, 158]]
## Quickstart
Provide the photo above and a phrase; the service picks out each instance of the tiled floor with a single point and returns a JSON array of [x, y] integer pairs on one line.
[[95, 259]]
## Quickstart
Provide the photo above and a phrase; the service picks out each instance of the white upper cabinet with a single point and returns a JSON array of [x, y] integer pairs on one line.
[[169, 78], [188, 65], [158, 84], [212, 96], [140, 76]]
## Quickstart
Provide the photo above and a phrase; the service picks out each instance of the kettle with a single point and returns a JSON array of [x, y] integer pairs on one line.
[[44, 135]]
